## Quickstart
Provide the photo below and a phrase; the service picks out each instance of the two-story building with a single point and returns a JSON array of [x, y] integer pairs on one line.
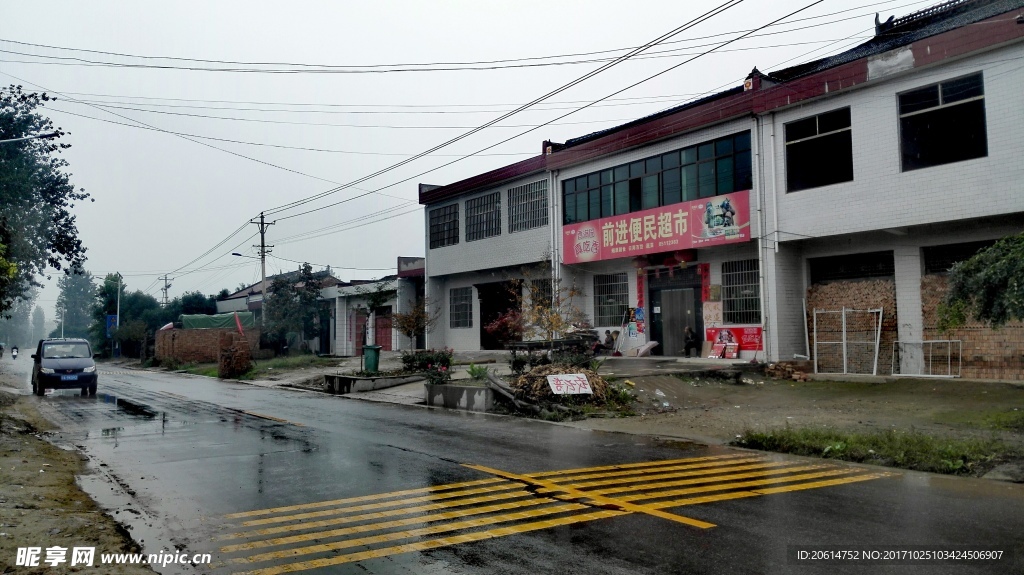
[[765, 213]]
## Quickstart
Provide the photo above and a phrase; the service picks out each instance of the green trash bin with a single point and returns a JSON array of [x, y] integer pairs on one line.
[[371, 353]]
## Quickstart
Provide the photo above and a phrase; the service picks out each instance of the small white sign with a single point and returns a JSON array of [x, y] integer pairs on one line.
[[569, 383], [657, 309]]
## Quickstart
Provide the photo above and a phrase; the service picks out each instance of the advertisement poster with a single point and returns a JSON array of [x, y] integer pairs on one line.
[[748, 338], [713, 313], [639, 319], [698, 223]]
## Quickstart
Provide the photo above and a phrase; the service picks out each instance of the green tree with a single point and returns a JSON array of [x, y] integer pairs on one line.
[[74, 304], [37, 226], [136, 308], [16, 326], [988, 287], [292, 306]]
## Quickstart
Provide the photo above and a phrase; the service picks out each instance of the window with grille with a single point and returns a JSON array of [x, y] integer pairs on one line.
[[460, 301], [541, 292], [611, 298], [943, 123], [444, 226], [819, 151], [741, 292], [483, 217], [528, 206]]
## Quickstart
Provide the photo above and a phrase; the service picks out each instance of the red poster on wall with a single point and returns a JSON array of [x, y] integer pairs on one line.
[[699, 223], [748, 338]]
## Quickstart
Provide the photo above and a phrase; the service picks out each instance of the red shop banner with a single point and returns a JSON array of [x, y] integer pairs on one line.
[[749, 338], [699, 223]]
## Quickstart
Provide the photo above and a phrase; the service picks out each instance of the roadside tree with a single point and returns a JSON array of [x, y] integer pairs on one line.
[[74, 304], [37, 198], [292, 307], [988, 287]]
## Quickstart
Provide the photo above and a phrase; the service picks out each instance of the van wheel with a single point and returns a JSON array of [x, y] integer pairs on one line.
[[38, 389], [92, 389]]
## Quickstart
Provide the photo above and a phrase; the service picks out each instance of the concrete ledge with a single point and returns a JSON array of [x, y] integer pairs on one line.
[[341, 384], [453, 396]]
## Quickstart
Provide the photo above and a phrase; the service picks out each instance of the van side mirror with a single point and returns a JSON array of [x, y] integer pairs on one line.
[[33, 356]]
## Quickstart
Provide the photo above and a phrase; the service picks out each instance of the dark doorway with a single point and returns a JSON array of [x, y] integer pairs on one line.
[[674, 304], [495, 299], [324, 333]]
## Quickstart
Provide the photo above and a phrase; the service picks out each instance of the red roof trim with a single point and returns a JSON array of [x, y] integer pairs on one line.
[[494, 177]]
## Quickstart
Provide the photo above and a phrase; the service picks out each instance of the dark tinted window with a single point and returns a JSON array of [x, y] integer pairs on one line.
[[943, 123]]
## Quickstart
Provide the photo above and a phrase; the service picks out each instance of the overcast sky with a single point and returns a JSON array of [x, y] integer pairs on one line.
[[162, 201]]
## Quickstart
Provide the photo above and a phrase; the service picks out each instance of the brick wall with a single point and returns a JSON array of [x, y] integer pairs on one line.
[[197, 345], [987, 353], [859, 295]]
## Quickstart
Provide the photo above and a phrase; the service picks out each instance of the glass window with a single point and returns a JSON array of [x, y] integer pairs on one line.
[[689, 155], [723, 147], [528, 206], [621, 173], [611, 299], [635, 195], [652, 165], [689, 181], [943, 123], [582, 207], [649, 187], [670, 160], [595, 203], [706, 151], [581, 183], [569, 209], [444, 226], [606, 177], [483, 217], [723, 169], [636, 169], [741, 292], [671, 192], [593, 180], [819, 151], [460, 302], [621, 198], [742, 141], [706, 179]]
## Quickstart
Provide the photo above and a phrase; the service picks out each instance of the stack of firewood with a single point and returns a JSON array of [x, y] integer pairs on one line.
[[787, 370]]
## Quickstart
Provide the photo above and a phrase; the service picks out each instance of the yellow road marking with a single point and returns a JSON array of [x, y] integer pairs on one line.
[[377, 497], [817, 484], [701, 474], [269, 417], [597, 499], [304, 526], [396, 535], [632, 465], [693, 481], [723, 465], [432, 544], [724, 487], [385, 525], [366, 507]]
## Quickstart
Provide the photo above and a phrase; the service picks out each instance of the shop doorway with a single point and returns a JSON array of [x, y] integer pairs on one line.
[[496, 299], [675, 304], [382, 327]]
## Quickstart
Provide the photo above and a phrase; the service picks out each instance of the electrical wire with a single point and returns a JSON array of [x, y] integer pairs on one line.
[[698, 20], [395, 66], [333, 266]]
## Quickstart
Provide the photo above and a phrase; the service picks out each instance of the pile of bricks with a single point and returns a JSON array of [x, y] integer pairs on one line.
[[794, 370], [197, 345], [853, 295]]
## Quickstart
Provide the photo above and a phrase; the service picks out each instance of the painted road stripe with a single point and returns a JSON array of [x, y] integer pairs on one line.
[[705, 465], [408, 534], [385, 525], [432, 544], [508, 485], [307, 525], [632, 465], [760, 492], [728, 486], [376, 497], [597, 499], [818, 484], [700, 474]]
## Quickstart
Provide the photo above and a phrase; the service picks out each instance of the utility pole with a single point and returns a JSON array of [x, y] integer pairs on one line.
[[263, 264], [166, 287], [117, 318]]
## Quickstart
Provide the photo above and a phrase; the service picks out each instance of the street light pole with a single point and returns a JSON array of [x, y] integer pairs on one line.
[[37, 137]]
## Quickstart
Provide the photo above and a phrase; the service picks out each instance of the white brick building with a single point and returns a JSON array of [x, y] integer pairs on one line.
[[883, 164]]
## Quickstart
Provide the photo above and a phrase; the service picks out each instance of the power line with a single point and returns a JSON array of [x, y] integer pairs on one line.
[[393, 66], [703, 17], [333, 266]]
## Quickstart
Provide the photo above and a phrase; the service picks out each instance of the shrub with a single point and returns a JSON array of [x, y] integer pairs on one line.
[[477, 371], [423, 359], [437, 374]]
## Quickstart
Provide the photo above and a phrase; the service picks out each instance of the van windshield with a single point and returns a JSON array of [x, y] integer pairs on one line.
[[66, 350]]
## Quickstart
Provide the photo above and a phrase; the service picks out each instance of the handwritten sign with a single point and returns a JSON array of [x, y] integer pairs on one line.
[[569, 384]]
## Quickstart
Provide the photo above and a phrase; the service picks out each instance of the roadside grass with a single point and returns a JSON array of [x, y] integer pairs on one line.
[[265, 367], [903, 449]]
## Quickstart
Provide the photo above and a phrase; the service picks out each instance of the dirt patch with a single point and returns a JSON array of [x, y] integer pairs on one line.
[[40, 503]]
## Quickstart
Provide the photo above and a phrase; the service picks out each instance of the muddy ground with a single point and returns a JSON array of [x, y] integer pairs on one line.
[[40, 503]]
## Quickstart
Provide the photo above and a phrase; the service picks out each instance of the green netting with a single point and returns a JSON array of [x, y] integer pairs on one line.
[[220, 320]]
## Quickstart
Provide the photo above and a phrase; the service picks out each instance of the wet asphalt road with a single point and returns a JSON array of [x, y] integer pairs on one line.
[[209, 465]]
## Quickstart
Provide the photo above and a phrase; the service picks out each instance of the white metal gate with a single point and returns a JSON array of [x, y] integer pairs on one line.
[[847, 340], [928, 358]]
